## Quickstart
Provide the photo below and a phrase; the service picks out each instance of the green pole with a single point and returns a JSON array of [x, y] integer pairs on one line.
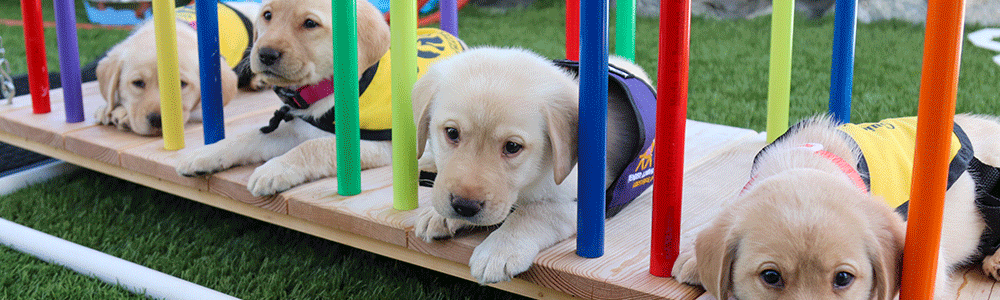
[[345, 61], [404, 74], [780, 81], [625, 29]]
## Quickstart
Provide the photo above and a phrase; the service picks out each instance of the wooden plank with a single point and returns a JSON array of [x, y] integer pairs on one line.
[[232, 183], [152, 159], [18, 102], [49, 128], [516, 286], [974, 285], [369, 213], [106, 142]]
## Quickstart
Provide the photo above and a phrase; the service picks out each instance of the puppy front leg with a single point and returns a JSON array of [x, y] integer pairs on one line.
[[512, 248], [245, 148], [313, 159]]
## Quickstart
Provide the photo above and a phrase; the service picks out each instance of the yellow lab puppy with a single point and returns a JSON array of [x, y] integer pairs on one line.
[[128, 75], [816, 219]]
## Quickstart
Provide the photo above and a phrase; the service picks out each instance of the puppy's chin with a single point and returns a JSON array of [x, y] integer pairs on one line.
[[283, 77]]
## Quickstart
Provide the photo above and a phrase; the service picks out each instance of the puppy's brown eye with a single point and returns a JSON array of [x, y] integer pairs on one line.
[[452, 134], [184, 84], [139, 84], [511, 148], [267, 16], [842, 280], [310, 24], [772, 278]]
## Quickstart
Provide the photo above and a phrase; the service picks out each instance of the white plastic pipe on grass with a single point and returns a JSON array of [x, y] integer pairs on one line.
[[16, 181], [107, 268]]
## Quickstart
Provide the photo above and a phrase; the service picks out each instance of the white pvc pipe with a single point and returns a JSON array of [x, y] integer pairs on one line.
[[16, 181], [107, 268], [985, 38]]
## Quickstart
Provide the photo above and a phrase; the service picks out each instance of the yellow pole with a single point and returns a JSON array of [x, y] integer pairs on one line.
[[164, 20]]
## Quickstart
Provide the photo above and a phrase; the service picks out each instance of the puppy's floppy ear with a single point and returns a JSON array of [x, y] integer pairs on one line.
[[109, 69], [373, 37], [885, 248], [230, 82], [562, 119], [424, 90], [715, 251]]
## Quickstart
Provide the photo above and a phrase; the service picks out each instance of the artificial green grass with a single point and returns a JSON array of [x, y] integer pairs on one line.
[[220, 250], [92, 42], [246, 258]]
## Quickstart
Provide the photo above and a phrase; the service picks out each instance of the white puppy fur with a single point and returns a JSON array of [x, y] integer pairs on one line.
[[499, 126]]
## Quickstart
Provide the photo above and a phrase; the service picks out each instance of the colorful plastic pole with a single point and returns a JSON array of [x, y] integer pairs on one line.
[[449, 16], [573, 29], [625, 29], [780, 82], [164, 21], [404, 75], [34, 42], [842, 66], [593, 116], [348, 131], [69, 59], [207, 15], [671, 118], [935, 117]]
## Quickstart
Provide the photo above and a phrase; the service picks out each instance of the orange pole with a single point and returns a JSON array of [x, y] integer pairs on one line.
[[935, 118]]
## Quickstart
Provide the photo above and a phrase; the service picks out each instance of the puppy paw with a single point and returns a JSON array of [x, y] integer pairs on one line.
[[257, 84], [685, 268], [991, 266], [273, 177], [433, 226], [206, 161], [500, 257]]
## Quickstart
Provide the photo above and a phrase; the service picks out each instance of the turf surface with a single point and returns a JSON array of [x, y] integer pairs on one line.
[[250, 259]]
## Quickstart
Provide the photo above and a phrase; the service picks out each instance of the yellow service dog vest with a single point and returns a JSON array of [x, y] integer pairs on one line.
[[235, 31], [375, 100], [888, 148]]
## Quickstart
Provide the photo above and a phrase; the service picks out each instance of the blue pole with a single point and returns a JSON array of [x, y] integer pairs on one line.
[[211, 81], [449, 16], [842, 69], [69, 59], [593, 114]]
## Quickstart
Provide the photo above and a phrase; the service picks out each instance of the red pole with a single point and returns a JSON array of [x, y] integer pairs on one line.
[[935, 117], [34, 40], [671, 115], [573, 29]]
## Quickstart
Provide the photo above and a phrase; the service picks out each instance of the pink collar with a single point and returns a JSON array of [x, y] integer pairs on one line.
[[837, 160], [304, 96]]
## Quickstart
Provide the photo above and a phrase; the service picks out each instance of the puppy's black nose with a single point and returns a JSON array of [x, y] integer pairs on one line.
[[465, 207], [269, 56], [154, 120]]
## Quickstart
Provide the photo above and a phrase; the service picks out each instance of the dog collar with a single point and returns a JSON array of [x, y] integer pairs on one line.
[[845, 167], [302, 97]]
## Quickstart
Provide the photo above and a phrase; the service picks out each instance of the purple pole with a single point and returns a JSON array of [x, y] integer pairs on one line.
[[449, 16], [69, 59]]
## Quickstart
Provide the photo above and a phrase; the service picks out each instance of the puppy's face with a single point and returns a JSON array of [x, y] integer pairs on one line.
[[488, 123], [129, 82], [293, 41], [802, 234]]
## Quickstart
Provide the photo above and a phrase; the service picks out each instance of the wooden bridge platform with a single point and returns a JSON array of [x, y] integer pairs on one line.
[[717, 160]]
